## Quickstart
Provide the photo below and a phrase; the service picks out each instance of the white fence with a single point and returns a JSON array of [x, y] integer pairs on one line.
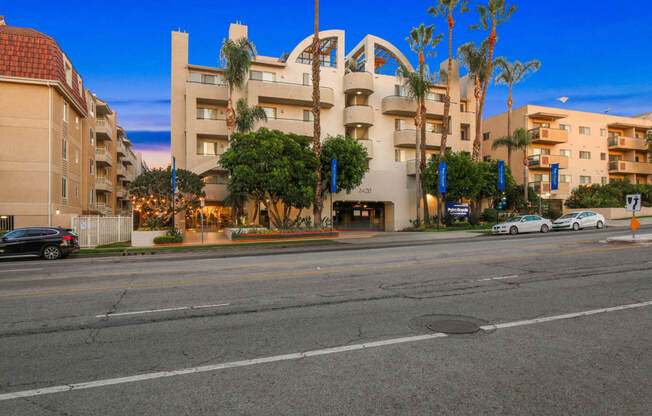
[[94, 231]]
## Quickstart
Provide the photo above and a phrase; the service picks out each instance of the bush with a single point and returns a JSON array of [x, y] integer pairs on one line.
[[168, 239], [474, 219], [489, 214]]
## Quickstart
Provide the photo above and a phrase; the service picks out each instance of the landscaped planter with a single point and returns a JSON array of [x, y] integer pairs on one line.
[[145, 238], [281, 235], [231, 232]]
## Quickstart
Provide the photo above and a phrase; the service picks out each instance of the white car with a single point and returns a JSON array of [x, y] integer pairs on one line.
[[523, 224], [578, 220]]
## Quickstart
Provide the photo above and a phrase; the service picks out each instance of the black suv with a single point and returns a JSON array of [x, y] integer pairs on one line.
[[50, 243]]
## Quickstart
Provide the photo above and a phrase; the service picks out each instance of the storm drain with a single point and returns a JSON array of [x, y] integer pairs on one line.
[[453, 326]]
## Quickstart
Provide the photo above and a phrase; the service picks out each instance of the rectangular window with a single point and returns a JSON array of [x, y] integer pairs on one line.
[[209, 147], [541, 177], [65, 111], [565, 178], [399, 124], [64, 187], [76, 191], [77, 122], [206, 113], [540, 151], [92, 167], [585, 130], [565, 152], [486, 136], [566, 127], [64, 148], [76, 156], [584, 180], [603, 132], [308, 115], [399, 155], [92, 107], [486, 158], [463, 135], [605, 180], [262, 76], [603, 156], [205, 78], [216, 178], [399, 90], [270, 112], [537, 124], [92, 135], [307, 78], [91, 196], [585, 155]]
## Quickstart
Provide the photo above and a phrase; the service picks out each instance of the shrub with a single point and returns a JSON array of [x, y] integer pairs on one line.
[[474, 219], [168, 239], [489, 214]]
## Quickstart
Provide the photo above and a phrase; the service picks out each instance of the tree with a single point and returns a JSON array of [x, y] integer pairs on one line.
[[475, 61], [351, 163], [519, 140], [151, 193], [236, 55], [275, 168], [462, 176], [491, 16], [236, 201], [422, 41], [488, 181], [246, 117], [513, 73], [316, 143], [446, 8]]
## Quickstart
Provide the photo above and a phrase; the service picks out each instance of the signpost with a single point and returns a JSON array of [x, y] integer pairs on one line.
[[174, 185], [202, 203], [457, 209], [501, 175], [633, 204], [333, 186]]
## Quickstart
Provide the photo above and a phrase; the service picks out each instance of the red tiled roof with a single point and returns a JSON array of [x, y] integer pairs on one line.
[[27, 53]]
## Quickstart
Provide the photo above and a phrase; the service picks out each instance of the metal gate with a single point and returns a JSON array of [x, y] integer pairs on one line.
[[95, 230]]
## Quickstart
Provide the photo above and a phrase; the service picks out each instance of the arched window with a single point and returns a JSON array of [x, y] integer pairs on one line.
[[385, 62], [327, 53]]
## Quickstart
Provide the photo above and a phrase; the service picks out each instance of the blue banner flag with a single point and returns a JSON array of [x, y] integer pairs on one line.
[[174, 175], [501, 175], [442, 177], [554, 176], [334, 176]]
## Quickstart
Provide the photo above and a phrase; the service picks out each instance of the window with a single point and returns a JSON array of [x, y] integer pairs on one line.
[[77, 122], [92, 107], [65, 111], [206, 78], [584, 180], [308, 115], [603, 132], [76, 156], [566, 127], [399, 124], [565, 178], [565, 152], [400, 90], [486, 158], [585, 130], [76, 191], [540, 151], [206, 113], [486, 136], [68, 69], [92, 136], [538, 124], [91, 196], [615, 158], [541, 177], [262, 76], [603, 156], [64, 187], [433, 96], [307, 78], [209, 147], [64, 147], [605, 180], [399, 155], [585, 155], [92, 167], [463, 107], [613, 134], [463, 135], [216, 178], [270, 112]]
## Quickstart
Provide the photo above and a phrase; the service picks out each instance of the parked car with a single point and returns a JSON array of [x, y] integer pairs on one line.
[[523, 224], [50, 243], [577, 220]]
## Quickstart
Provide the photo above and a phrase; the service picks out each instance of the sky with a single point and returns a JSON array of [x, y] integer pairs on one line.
[[595, 52]]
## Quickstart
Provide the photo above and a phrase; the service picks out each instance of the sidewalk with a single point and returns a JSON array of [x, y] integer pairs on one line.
[[625, 223]]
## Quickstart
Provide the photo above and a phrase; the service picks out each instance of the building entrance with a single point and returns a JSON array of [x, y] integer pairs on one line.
[[216, 217], [359, 215]]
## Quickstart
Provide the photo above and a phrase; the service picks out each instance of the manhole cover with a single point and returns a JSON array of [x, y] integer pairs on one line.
[[453, 326]]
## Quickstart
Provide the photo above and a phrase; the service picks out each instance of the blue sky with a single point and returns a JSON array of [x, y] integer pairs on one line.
[[598, 56]]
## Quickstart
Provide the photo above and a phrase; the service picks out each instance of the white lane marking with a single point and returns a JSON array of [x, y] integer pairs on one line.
[[180, 308], [21, 270], [293, 356], [513, 276]]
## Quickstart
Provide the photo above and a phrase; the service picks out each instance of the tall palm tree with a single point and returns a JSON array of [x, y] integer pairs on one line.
[[422, 41], [246, 117], [519, 140], [316, 145], [416, 88], [236, 55], [513, 73], [446, 8], [491, 16]]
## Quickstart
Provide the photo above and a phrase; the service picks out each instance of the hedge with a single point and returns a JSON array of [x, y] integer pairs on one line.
[[168, 239]]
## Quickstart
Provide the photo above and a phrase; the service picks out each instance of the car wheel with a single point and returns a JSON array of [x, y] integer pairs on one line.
[[544, 228], [51, 253], [599, 225], [576, 226], [513, 230]]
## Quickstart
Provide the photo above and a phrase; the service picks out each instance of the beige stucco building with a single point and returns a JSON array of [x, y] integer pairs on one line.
[[61, 152], [590, 148], [361, 97]]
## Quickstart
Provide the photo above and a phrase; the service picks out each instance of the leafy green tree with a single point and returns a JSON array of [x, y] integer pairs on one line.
[[151, 193], [236, 56], [246, 117], [351, 163], [611, 195], [462, 176], [275, 168], [519, 140], [488, 181]]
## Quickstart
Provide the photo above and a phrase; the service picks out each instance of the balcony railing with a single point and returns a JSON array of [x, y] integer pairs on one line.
[[103, 184], [103, 129], [627, 143], [103, 156], [548, 135], [544, 161], [362, 115], [277, 92], [621, 166], [401, 105]]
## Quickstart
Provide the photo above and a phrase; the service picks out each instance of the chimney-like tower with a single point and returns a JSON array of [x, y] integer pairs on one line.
[[2, 21]]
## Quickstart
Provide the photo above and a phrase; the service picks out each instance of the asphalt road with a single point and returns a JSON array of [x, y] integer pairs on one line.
[[562, 326]]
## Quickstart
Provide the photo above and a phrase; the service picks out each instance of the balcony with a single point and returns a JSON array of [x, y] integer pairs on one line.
[[103, 129], [121, 149], [288, 125], [103, 184], [467, 117], [121, 171], [410, 167], [121, 192], [627, 143], [358, 82], [399, 105], [359, 115], [639, 168], [217, 94], [103, 156], [544, 187], [104, 208], [274, 92], [211, 127], [407, 138], [547, 135], [544, 161], [368, 145]]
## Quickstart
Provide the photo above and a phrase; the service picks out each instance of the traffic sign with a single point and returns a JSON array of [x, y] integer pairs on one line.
[[634, 224], [633, 202]]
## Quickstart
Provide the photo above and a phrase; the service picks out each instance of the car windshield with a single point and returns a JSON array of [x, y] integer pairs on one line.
[[567, 216], [516, 219]]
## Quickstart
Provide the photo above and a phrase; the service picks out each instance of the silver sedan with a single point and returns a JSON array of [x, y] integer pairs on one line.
[[523, 224]]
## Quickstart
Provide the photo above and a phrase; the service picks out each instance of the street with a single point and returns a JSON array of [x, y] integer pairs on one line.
[[551, 324]]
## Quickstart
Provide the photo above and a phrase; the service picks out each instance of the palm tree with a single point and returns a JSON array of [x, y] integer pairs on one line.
[[416, 87], [519, 140], [446, 8], [316, 145], [236, 55], [491, 16], [422, 41], [513, 73], [246, 117]]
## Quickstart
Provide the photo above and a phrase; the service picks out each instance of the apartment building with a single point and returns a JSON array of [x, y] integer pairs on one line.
[[361, 97], [61, 153], [590, 148]]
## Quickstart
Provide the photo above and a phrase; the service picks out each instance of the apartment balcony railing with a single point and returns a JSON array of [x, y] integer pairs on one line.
[[359, 82], [121, 171], [627, 143], [103, 184], [288, 125], [547, 135], [410, 167], [639, 168], [217, 94], [544, 161], [276, 92], [121, 149], [211, 126], [103, 129], [104, 208], [400, 105], [103, 156], [359, 115], [563, 188], [407, 138], [121, 192]]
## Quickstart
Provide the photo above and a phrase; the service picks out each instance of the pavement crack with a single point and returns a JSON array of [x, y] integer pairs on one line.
[[48, 408], [92, 336]]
